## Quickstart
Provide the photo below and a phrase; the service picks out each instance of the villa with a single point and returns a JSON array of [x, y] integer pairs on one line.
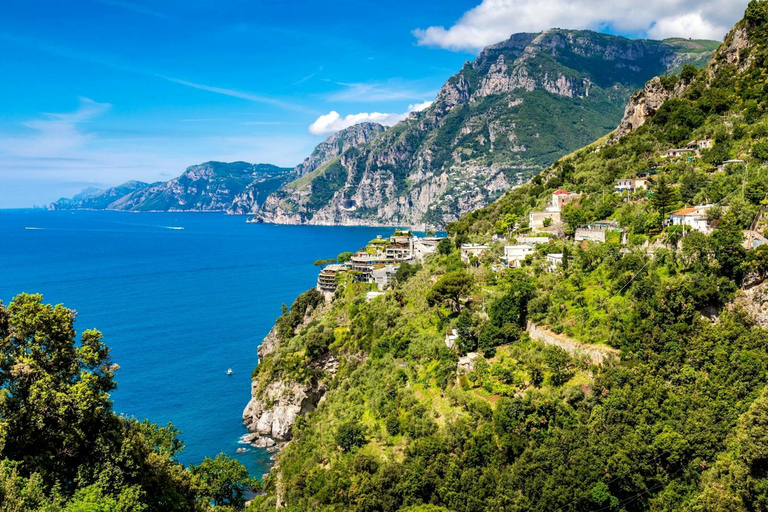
[[678, 152], [695, 218], [514, 255], [554, 260], [630, 185], [476, 250], [384, 276]]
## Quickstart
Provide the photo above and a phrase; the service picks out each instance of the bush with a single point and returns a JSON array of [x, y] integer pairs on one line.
[[350, 435]]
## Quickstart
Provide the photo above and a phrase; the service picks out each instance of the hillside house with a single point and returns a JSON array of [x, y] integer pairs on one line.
[[630, 184], [450, 338], [423, 247], [326, 280], [514, 255], [598, 231], [698, 145], [722, 166], [554, 260], [364, 263], [678, 152], [398, 253], [384, 276], [560, 198], [694, 218], [536, 220], [476, 250], [753, 240]]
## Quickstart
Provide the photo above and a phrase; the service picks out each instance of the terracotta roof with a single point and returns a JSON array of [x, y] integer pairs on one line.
[[685, 211], [561, 192]]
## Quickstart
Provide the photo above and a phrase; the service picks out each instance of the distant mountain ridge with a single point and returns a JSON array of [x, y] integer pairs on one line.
[[514, 110], [519, 106], [211, 186]]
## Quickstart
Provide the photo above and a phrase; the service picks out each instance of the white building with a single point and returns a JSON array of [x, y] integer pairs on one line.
[[450, 338], [694, 218], [514, 255], [554, 260], [384, 276], [423, 247], [677, 152], [476, 250], [630, 184]]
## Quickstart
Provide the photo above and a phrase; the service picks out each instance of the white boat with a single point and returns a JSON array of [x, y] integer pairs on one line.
[[229, 371], [175, 227]]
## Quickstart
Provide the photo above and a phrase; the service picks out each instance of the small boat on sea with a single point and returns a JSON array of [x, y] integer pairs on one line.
[[175, 227], [229, 371]]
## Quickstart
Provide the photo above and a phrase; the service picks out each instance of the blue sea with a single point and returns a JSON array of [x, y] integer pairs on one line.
[[178, 307]]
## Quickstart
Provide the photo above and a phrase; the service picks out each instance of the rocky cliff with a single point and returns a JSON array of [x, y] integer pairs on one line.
[[276, 402], [514, 110], [212, 186], [341, 141]]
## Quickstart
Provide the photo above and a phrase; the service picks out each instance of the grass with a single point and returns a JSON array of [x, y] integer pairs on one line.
[[304, 181]]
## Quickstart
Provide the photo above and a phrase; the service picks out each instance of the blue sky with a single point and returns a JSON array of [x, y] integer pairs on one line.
[[96, 92]]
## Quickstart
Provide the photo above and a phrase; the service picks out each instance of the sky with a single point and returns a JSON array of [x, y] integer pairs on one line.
[[94, 93]]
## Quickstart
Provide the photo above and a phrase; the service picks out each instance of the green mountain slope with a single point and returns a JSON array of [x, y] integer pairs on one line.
[[632, 377], [514, 110]]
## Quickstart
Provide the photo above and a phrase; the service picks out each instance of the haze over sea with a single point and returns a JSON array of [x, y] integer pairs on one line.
[[178, 307]]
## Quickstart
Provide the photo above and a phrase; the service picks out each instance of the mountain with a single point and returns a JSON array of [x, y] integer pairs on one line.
[[96, 199], [352, 137], [629, 373], [518, 107], [211, 186]]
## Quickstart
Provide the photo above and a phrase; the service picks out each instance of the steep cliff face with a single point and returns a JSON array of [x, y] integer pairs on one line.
[[276, 402], [211, 186], [328, 150], [514, 110], [643, 104]]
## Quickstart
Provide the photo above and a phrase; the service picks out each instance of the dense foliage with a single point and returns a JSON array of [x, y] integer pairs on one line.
[[663, 407], [61, 445]]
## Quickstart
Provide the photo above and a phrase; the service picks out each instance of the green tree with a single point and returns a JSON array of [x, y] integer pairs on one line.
[[55, 392], [663, 197], [344, 257], [223, 481], [350, 435], [450, 289], [445, 247]]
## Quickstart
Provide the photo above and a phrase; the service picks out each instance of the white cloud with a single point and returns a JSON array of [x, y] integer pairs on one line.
[[333, 122], [56, 134], [495, 20]]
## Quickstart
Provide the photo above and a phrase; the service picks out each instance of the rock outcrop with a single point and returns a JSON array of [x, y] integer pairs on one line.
[[276, 403], [515, 109], [273, 411], [642, 106]]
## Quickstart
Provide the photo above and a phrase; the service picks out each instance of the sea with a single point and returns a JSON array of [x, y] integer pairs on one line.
[[179, 297]]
